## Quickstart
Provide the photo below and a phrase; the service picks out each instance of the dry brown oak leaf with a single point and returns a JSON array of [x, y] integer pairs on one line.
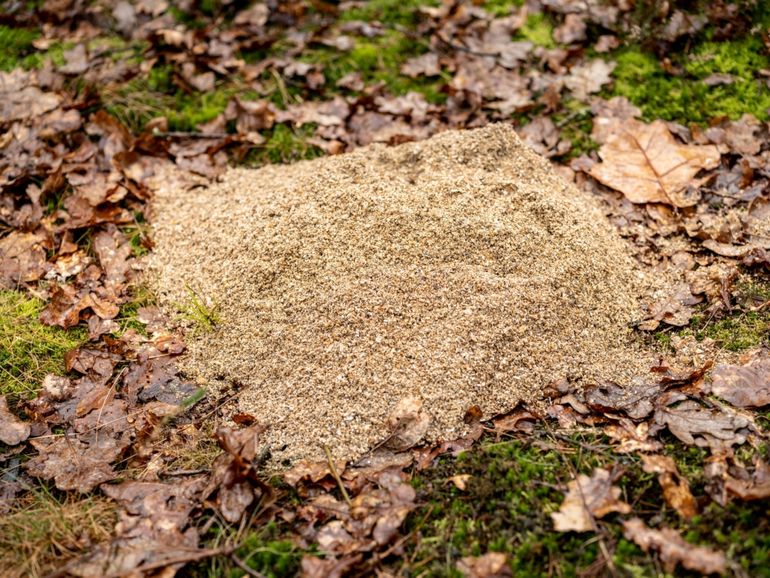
[[743, 385], [587, 499], [673, 549], [647, 165]]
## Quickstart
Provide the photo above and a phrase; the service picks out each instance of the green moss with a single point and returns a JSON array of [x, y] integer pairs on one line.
[[512, 490], [141, 296], [15, 45], [378, 60], [199, 311], [538, 30], [286, 144], [502, 7], [28, 349], [745, 326], [737, 333], [516, 485], [687, 99], [272, 558], [156, 95], [395, 12]]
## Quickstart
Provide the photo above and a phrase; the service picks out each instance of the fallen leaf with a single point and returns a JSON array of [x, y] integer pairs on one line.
[[573, 29], [74, 464], [114, 251], [695, 424], [490, 565], [743, 385], [22, 258], [460, 481], [647, 165], [13, 431], [234, 481], [673, 549], [632, 437], [586, 79], [424, 65], [635, 400], [408, 423], [311, 472], [25, 103], [755, 486], [588, 498], [676, 489], [153, 530]]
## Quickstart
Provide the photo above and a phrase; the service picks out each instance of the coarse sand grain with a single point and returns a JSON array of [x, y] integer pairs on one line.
[[458, 271]]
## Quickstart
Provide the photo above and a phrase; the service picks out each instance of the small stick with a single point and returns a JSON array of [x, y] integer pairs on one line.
[[245, 567], [337, 477]]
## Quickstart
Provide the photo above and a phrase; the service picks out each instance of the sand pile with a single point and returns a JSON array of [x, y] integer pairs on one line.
[[459, 270]]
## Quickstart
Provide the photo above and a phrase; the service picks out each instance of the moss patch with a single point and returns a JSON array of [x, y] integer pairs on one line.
[[156, 95], [378, 60], [501, 7], [28, 349], [15, 43], [395, 12], [538, 30], [687, 98], [516, 485], [746, 326]]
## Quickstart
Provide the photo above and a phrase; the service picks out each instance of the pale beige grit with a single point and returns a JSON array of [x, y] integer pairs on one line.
[[460, 270]]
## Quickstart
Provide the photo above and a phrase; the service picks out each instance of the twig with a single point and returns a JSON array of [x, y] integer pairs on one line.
[[337, 477], [104, 402], [245, 567], [186, 134], [186, 472]]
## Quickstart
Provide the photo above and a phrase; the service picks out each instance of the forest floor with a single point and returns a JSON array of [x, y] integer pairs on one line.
[[112, 464]]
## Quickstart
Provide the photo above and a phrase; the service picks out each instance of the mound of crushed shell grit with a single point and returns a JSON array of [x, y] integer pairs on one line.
[[448, 273]]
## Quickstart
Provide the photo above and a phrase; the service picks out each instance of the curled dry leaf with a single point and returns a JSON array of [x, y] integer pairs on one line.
[[234, 480], [647, 165], [673, 549], [676, 489], [13, 431], [632, 437], [743, 385], [490, 565], [755, 486], [312, 472], [408, 423], [588, 498]]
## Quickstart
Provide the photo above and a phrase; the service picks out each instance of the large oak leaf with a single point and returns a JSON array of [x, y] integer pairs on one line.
[[647, 165]]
